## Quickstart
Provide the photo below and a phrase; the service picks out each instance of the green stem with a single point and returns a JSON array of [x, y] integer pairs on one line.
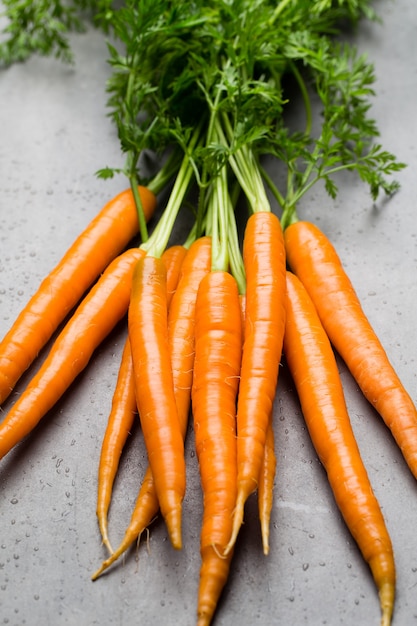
[[165, 174], [246, 170], [143, 228], [211, 133], [158, 241], [235, 255], [272, 187], [220, 223], [278, 10]]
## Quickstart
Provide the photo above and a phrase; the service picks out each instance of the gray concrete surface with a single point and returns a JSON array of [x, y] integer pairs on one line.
[[54, 136]]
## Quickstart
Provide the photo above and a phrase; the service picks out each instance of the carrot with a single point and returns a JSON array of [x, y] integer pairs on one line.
[[181, 318], [266, 485], [105, 237], [312, 364], [173, 258], [148, 333], [315, 261], [181, 321], [264, 260], [214, 392], [119, 424], [267, 473], [98, 313]]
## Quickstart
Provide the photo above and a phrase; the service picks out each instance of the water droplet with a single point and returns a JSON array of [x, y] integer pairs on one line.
[[14, 501], [305, 566], [291, 550]]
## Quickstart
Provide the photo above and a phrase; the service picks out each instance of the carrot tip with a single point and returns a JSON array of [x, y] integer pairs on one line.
[[386, 596], [237, 521], [173, 523], [108, 545], [265, 535]]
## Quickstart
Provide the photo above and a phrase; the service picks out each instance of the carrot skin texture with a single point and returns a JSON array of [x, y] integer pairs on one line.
[[264, 260], [315, 261], [217, 363], [173, 258], [101, 241], [119, 424], [313, 367], [268, 469], [181, 324], [154, 388], [98, 313], [181, 317], [266, 485]]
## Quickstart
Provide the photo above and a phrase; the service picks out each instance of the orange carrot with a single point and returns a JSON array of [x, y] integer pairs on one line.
[[315, 261], [148, 333], [312, 364], [98, 313], [267, 473], [181, 318], [264, 259], [119, 425], [173, 258], [266, 485], [217, 363], [124, 407], [104, 238]]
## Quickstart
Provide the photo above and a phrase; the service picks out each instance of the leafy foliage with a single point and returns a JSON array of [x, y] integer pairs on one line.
[[222, 66]]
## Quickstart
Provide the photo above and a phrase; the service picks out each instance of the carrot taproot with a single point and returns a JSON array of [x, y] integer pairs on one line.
[[97, 314], [264, 260], [181, 318], [313, 367], [173, 258], [313, 258], [154, 388], [101, 241], [266, 485], [181, 322], [218, 350], [124, 407], [119, 425], [268, 468]]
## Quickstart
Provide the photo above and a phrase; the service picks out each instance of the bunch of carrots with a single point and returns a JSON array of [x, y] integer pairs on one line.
[[211, 318]]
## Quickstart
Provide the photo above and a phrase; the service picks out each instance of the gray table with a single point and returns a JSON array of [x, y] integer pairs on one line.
[[54, 136]]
